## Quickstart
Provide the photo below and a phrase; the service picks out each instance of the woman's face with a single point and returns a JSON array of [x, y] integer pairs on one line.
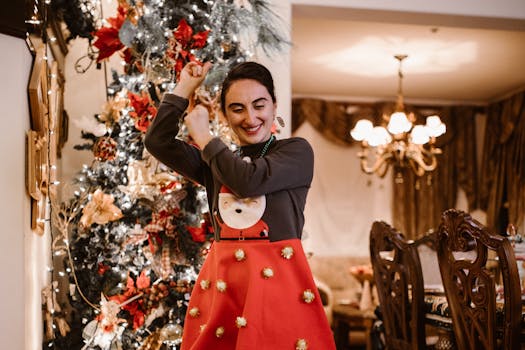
[[250, 111]]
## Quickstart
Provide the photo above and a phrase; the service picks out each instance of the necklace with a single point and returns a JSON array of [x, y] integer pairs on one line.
[[263, 151], [266, 145]]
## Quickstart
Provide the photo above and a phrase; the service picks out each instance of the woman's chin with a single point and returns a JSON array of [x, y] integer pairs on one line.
[[251, 139]]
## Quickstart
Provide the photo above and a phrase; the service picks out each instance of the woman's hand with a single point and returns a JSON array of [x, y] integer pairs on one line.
[[198, 123], [190, 78]]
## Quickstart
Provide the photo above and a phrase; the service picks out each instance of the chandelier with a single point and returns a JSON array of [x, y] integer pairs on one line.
[[401, 143]]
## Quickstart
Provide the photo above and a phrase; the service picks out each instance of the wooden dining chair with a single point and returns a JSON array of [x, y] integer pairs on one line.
[[480, 319], [399, 283]]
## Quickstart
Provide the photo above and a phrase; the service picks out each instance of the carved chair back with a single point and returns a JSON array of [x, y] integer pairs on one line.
[[399, 283], [480, 319]]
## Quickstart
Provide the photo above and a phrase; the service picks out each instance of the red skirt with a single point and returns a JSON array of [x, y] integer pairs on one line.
[[256, 295]]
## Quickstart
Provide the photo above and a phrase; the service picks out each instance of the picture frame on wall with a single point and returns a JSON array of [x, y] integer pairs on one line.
[[38, 138], [38, 90]]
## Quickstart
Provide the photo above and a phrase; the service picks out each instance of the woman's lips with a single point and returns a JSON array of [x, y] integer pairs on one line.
[[252, 130]]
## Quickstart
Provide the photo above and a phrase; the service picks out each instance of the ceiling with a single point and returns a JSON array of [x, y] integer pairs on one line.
[[347, 55]]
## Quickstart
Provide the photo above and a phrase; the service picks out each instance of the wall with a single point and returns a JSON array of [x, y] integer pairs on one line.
[[22, 265], [342, 201], [280, 68]]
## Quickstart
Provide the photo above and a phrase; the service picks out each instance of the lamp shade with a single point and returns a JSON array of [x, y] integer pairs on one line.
[[379, 137], [362, 130], [419, 135], [435, 126], [399, 123]]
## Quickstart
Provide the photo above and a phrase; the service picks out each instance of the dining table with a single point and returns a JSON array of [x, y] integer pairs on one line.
[[439, 319]]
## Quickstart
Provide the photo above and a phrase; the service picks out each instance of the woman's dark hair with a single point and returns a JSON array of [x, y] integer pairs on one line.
[[248, 70]]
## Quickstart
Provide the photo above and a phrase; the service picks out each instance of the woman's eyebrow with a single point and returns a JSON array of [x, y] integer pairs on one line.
[[261, 99], [235, 104], [238, 104]]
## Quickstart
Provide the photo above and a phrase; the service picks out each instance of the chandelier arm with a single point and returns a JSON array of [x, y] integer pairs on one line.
[[432, 154], [383, 159], [382, 170], [417, 158], [416, 167]]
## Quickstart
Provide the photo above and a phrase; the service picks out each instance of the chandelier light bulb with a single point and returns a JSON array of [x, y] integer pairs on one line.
[[399, 123], [379, 137], [362, 130], [419, 135], [433, 121], [441, 130], [436, 126]]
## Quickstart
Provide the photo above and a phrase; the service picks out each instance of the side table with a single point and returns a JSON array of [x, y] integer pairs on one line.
[[347, 318]]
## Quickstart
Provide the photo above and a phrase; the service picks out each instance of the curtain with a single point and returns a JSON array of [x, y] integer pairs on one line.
[[419, 201], [502, 189], [333, 120]]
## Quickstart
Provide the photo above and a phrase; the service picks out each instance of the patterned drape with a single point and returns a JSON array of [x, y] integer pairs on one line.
[[502, 190], [419, 201]]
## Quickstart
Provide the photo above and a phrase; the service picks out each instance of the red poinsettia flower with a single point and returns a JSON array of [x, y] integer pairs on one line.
[[138, 319], [184, 35], [135, 310], [182, 43], [108, 41], [134, 290], [143, 110], [143, 281], [198, 234], [130, 287]]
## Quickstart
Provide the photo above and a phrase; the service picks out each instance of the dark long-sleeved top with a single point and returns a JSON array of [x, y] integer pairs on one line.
[[283, 174]]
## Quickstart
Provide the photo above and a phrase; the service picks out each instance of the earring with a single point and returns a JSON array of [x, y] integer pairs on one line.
[[280, 121]]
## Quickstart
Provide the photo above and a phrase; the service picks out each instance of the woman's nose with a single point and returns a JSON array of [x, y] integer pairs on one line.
[[251, 115]]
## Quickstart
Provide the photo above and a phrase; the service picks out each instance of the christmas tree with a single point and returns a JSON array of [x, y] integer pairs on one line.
[[130, 235]]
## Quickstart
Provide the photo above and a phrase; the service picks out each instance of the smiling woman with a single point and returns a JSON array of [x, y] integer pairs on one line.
[[256, 197]]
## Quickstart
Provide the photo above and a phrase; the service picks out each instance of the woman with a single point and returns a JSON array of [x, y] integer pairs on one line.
[[255, 289]]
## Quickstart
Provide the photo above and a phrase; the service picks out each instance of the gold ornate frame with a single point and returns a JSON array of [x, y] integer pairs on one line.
[[47, 133], [37, 140]]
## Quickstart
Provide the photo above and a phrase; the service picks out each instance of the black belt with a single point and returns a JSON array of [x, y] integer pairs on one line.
[[244, 238]]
